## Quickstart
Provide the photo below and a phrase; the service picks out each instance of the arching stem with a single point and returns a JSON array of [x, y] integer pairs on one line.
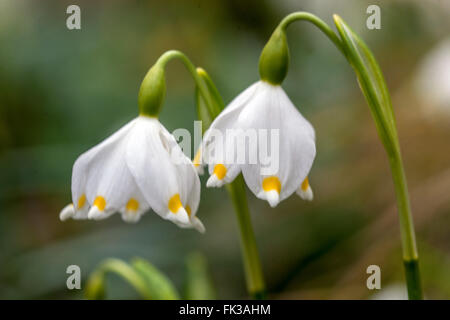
[[211, 104], [319, 23]]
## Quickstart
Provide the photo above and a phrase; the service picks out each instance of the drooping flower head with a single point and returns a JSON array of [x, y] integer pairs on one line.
[[140, 167], [263, 135]]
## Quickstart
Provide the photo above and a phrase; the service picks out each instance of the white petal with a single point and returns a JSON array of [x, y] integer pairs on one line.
[[217, 149], [190, 188], [135, 207], [102, 171], [187, 177], [229, 114], [305, 194], [96, 214], [67, 212], [214, 182], [149, 158], [149, 162], [81, 213], [198, 225], [110, 178], [188, 182], [161, 171], [271, 196], [272, 109], [300, 145], [194, 223], [131, 216], [226, 119], [180, 217]]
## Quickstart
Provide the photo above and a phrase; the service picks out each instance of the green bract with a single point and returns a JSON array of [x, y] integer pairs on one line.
[[274, 59], [152, 92]]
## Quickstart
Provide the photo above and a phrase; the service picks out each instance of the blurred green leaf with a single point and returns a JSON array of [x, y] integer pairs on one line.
[[95, 288], [158, 284], [198, 281]]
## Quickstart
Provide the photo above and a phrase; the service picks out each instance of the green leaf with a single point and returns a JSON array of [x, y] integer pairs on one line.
[[95, 288], [374, 88], [157, 283], [198, 284], [372, 84], [202, 110], [207, 110]]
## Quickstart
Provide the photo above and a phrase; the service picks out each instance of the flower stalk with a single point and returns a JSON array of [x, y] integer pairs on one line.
[[250, 255], [374, 88]]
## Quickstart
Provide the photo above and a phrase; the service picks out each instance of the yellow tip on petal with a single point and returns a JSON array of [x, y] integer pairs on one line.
[[81, 201], [220, 171], [132, 205], [188, 210], [305, 184], [100, 203], [271, 183], [174, 203]]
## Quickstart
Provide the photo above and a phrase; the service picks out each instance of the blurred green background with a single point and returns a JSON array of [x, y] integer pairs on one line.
[[63, 91]]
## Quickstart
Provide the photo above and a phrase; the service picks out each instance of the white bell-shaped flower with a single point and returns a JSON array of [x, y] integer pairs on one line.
[[140, 167], [275, 175]]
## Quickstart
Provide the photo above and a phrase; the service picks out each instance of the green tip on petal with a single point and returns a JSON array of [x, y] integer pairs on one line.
[[274, 59], [152, 92]]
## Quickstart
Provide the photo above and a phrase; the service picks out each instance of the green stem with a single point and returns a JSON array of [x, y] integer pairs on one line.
[[410, 254], [252, 265], [413, 282], [319, 23], [175, 54], [214, 103]]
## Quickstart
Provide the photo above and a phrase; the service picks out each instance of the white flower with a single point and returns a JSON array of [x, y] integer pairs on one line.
[[139, 167], [262, 106]]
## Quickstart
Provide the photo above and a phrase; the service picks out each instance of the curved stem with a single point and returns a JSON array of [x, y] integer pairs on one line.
[[175, 54], [319, 23]]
